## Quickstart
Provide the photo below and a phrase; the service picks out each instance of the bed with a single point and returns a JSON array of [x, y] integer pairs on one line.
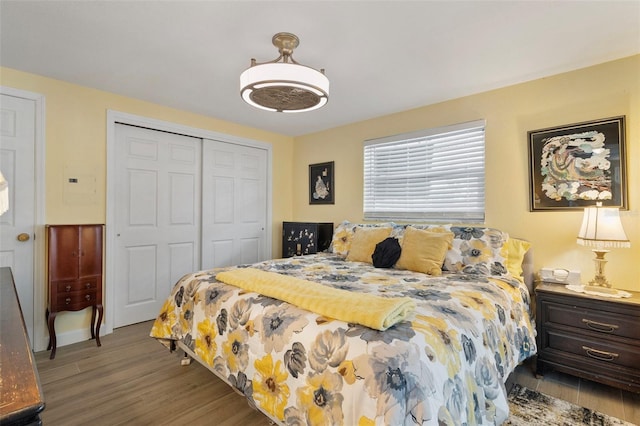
[[455, 333]]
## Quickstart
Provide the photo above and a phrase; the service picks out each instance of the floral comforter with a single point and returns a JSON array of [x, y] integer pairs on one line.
[[446, 364]]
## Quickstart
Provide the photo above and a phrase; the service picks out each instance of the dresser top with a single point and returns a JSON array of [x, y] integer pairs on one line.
[[20, 394], [562, 289]]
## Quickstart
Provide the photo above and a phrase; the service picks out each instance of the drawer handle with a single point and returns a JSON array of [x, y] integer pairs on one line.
[[88, 297], [88, 285], [67, 300], [600, 355], [600, 326], [68, 287]]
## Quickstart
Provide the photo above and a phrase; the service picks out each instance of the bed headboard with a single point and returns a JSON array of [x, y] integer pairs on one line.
[[527, 270]]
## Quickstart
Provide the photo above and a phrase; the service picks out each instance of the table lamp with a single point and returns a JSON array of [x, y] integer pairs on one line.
[[602, 229]]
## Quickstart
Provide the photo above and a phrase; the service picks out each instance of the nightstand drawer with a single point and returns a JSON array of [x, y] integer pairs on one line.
[[586, 319], [606, 352]]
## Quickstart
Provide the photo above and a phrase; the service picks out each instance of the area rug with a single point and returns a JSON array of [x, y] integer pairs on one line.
[[530, 407]]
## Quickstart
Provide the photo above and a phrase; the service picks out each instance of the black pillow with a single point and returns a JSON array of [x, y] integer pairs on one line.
[[387, 253]]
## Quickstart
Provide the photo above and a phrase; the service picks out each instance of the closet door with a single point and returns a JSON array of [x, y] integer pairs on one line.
[[234, 202], [158, 185]]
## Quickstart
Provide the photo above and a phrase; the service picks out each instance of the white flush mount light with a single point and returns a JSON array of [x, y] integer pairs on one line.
[[283, 85]]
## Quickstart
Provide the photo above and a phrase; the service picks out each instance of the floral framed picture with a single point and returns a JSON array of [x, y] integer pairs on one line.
[[321, 183], [576, 165]]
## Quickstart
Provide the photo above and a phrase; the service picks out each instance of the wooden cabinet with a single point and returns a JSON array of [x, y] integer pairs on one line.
[[74, 274], [597, 338], [299, 238]]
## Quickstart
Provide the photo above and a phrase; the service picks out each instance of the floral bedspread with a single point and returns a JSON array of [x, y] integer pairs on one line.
[[447, 364]]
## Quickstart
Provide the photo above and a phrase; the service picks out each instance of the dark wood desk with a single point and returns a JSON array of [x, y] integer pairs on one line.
[[21, 399]]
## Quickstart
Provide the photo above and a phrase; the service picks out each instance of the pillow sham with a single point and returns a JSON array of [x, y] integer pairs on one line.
[[477, 250], [516, 249], [343, 235], [364, 243], [424, 251]]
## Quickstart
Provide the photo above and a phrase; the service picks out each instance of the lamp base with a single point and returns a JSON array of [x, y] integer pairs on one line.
[[600, 261]]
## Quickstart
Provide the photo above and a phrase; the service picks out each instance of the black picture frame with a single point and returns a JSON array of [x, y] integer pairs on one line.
[[574, 166], [321, 183]]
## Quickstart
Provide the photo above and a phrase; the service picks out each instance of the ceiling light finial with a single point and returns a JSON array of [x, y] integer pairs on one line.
[[285, 86]]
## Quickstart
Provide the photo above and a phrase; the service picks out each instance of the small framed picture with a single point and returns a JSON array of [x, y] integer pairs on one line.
[[321, 183], [577, 165]]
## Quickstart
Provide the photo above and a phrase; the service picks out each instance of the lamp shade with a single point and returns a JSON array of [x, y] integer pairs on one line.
[[601, 228], [4, 194]]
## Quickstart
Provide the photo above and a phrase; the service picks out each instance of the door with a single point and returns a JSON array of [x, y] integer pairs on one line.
[[157, 219], [17, 225], [234, 201]]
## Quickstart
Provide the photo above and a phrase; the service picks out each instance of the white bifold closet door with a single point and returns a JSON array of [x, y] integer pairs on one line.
[[182, 204], [234, 204], [157, 218]]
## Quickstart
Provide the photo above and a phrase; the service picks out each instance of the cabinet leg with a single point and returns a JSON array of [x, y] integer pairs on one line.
[[93, 322], [51, 318], [97, 334]]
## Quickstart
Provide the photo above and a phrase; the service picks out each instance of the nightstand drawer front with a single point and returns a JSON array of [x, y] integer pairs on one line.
[[598, 321], [610, 353]]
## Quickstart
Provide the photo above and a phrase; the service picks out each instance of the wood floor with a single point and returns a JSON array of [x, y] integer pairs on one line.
[[132, 379]]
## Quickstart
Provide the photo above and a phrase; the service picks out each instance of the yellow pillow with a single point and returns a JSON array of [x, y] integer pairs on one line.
[[424, 251], [364, 243], [516, 250]]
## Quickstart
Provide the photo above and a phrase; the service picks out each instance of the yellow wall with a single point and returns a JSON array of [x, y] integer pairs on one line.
[[601, 91], [75, 138]]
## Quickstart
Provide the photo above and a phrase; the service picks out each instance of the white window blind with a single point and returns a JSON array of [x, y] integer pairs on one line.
[[435, 175]]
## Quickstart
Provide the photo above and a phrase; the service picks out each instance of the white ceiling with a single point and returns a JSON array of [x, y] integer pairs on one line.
[[380, 56]]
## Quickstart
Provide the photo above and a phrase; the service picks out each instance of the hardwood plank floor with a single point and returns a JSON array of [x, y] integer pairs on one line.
[[132, 379]]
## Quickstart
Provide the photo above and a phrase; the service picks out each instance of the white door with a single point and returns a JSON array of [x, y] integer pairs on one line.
[[157, 220], [234, 202], [17, 163]]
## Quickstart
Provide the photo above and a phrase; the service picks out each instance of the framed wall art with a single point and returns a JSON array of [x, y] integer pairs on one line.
[[321, 183], [576, 165]]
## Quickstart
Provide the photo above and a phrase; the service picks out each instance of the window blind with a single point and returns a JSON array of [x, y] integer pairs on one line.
[[435, 174]]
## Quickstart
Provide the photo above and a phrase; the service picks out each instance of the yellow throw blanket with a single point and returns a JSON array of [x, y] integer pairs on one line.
[[360, 308]]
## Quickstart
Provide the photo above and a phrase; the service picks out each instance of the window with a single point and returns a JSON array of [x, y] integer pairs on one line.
[[435, 175]]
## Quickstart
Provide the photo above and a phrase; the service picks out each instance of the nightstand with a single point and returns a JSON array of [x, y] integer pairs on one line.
[[593, 337], [299, 238]]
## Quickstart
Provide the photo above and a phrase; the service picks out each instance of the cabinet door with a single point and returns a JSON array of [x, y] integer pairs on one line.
[[63, 253], [90, 250]]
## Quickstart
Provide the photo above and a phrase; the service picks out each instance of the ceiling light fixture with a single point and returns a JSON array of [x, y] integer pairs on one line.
[[284, 86]]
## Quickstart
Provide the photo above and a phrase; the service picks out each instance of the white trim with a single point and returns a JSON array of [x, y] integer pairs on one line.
[[427, 132], [40, 338], [114, 117]]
